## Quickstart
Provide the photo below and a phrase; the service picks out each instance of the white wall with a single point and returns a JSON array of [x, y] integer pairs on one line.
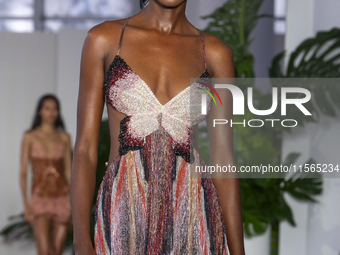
[[69, 45], [31, 65], [318, 225], [26, 72], [326, 14], [34, 64], [197, 8]]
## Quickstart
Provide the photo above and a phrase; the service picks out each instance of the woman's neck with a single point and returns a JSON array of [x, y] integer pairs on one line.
[[164, 19], [47, 128]]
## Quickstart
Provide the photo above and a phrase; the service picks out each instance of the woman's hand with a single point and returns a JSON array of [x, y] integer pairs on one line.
[[28, 214]]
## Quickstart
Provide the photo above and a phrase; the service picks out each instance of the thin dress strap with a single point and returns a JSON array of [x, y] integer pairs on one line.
[[203, 45], [121, 35]]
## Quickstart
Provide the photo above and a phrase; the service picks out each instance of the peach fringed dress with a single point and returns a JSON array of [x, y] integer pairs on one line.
[[50, 190]]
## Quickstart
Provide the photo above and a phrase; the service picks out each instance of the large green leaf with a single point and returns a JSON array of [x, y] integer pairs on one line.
[[317, 57], [17, 229], [304, 186], [233, 23], [254, 222]]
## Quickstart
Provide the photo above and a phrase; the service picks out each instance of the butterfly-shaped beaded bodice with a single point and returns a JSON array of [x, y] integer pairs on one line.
[[128, 93]]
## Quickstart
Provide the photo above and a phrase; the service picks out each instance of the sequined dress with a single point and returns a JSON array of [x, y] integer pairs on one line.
[[50, 191], [148, 202]]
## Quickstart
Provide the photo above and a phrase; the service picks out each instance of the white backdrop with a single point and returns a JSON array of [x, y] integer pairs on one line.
[[318, 225], [37, 63], [31, 65], [27, 64]]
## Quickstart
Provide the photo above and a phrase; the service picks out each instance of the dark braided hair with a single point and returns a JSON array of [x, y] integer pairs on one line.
[[143, 3]]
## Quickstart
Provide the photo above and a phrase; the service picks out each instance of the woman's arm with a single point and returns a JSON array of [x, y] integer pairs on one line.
[[221, 147], [67, 157], [24, 158], [89, 115]]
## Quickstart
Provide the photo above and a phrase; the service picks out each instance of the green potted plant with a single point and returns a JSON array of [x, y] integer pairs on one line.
[[263, 199]]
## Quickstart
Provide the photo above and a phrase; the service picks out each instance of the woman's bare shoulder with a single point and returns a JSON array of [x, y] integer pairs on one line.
[[28, 135], [217, 52], [65, 136], [215, 45], [105, 32]]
